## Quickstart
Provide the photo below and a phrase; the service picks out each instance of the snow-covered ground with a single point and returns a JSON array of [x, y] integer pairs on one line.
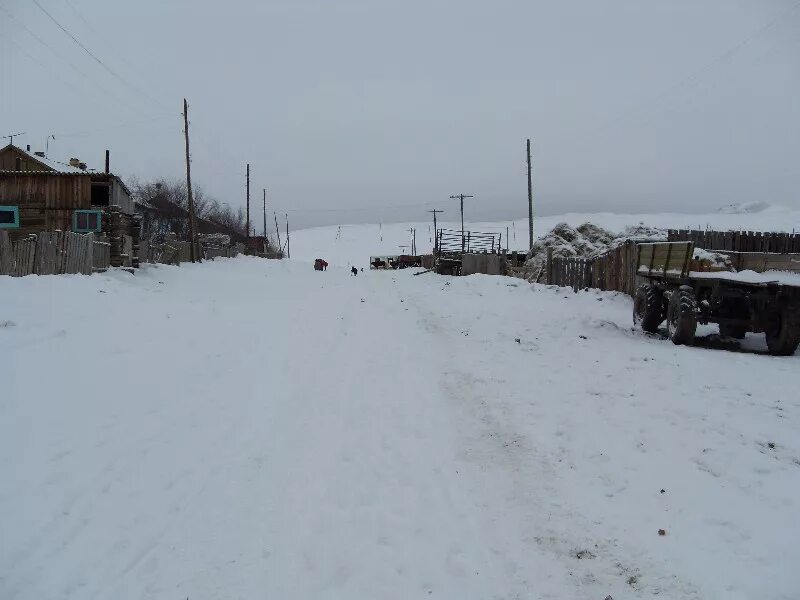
[[256, 429], [354, 244]]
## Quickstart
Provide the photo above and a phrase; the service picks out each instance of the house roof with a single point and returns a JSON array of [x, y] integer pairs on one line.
[[59, 168], [46, 162], [40, 173]]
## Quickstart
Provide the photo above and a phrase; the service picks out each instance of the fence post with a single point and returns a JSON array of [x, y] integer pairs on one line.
[[115, 235], [6, 254], [136, 231], [550, 266]]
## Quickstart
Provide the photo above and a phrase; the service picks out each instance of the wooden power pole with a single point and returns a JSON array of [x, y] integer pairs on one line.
[[192, 225], [530, 200], [435, 235], [288, 249], [461, 197], [265, 215], [277, 231], [248, 200]]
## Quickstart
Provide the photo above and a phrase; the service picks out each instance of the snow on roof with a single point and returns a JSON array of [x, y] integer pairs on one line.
[[49, 162], [54, 164]]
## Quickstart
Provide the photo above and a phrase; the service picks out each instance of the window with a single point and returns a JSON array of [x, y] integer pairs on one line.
[[86, 221], [9, 217]]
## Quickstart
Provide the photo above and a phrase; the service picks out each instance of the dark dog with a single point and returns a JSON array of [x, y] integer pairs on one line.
[[354, 271]]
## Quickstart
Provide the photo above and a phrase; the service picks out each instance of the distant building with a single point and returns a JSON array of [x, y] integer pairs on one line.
[[39, 194]]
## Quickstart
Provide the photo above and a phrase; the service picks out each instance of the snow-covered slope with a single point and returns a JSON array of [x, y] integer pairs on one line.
[[354, 244], [255, 429]]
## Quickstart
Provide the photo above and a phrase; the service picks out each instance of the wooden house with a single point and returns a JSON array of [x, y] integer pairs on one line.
[[38, 194]]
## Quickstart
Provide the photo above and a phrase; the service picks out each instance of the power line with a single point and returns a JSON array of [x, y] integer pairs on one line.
[[117, 126], [60, 56], [100, 35], [80, 92], [358, 209], [97, 59]]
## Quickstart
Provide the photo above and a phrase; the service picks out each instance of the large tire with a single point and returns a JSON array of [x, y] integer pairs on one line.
[[682, 316], [648, 307], [783, 336], [733, 331]]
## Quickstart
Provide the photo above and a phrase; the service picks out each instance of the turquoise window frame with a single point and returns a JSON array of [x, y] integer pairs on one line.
[[75, 227], [15, 224]]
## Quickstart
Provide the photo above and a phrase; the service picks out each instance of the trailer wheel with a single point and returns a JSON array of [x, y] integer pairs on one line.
[[682, 315], [783, 336], [736, 332], [648, 307]]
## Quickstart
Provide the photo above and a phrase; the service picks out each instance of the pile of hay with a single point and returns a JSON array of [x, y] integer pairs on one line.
[[586, 241]]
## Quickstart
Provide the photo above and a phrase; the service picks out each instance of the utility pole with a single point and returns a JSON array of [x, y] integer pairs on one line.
[[530, 200], [248, 200], [277, 231], [192, 225], [461, 197], [413, 233], [288, 249], [265, 215], [435, 235]]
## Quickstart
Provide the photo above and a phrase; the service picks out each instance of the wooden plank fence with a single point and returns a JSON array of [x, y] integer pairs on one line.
[[613, 271], [6, 254], [52, 253], [616, 269], [101, 256], [570, 272], [738, 241]]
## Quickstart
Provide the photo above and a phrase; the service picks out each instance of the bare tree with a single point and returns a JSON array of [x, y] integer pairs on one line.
[[169, 198]]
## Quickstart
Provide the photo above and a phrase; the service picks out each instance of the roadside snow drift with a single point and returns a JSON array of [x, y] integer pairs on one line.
[[255, 429]]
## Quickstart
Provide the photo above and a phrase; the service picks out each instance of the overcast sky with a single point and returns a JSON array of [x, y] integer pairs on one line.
[[366, 110]]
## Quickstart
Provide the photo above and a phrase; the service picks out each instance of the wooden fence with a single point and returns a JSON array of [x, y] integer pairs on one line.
[[53, 253], [101, 256], [616, 269], [738, 241], [613, 271], [570, 272]]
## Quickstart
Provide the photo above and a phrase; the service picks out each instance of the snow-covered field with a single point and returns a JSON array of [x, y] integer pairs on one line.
[[354, 244], [256, 429]]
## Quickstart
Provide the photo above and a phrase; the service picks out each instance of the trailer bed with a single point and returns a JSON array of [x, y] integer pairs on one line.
[[750, 278]]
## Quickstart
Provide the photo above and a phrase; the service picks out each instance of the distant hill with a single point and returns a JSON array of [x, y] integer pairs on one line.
[[747, 208]]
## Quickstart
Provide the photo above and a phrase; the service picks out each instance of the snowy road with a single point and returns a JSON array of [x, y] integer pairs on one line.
[[253, 429]]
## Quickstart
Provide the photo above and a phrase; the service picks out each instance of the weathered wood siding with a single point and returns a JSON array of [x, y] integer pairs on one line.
[[46, 201]]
